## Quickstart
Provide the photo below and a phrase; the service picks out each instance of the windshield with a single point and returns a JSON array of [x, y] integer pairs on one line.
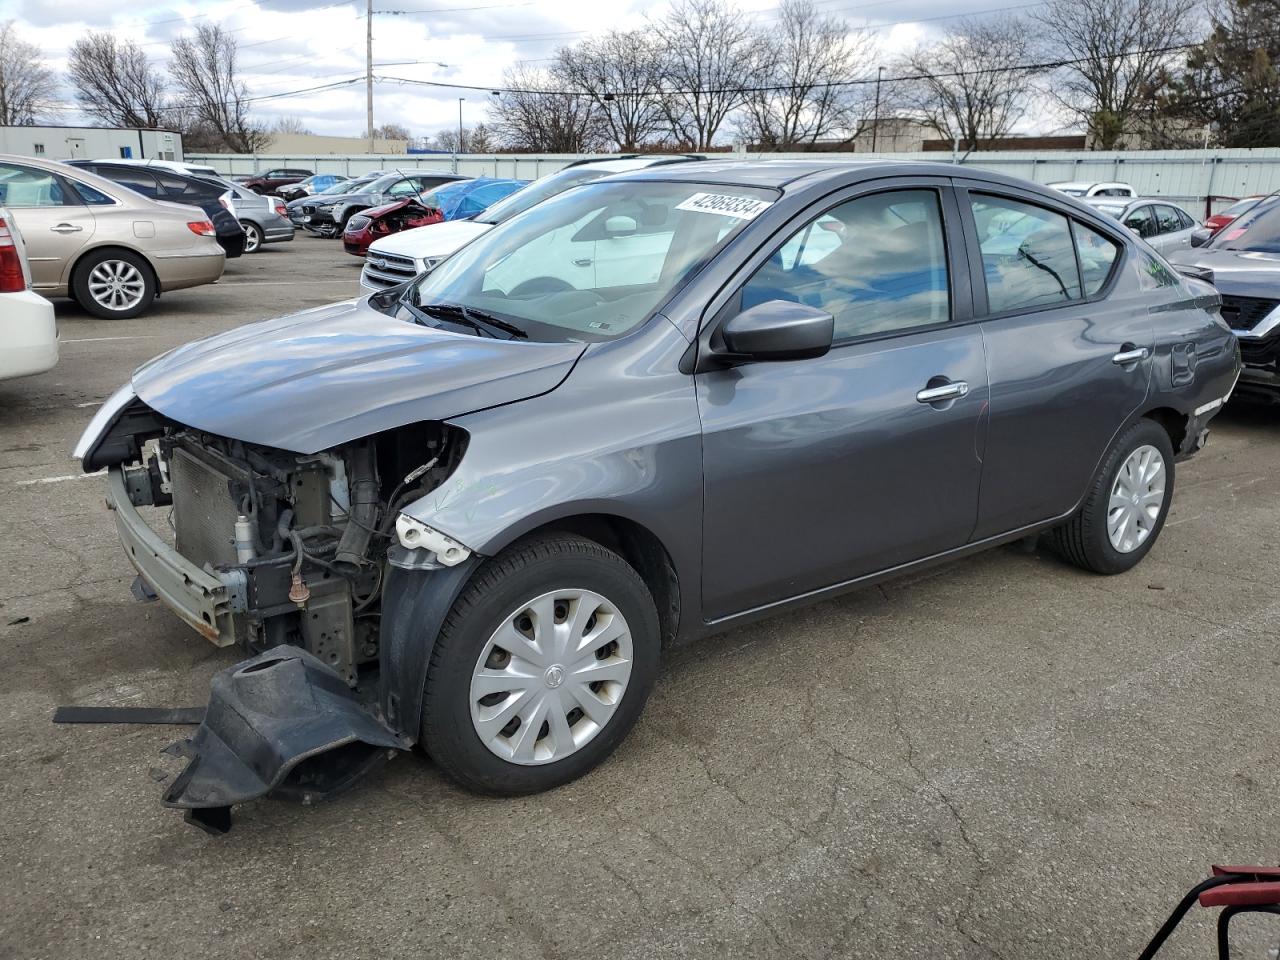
[[1240, 207], [1257, 230], [540, 190], [592, 263], [342, 186]]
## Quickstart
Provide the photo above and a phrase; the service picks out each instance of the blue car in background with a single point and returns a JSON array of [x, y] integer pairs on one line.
[[317, 183], [464, 199]]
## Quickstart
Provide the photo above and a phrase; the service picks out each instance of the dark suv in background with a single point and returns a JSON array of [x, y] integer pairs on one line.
[[160, 184], [273, 180]]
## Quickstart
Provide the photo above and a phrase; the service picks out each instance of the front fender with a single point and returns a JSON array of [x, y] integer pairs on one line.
[[620, 437]]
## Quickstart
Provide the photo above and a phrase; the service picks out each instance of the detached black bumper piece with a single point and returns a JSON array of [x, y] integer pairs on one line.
[[281, 722]]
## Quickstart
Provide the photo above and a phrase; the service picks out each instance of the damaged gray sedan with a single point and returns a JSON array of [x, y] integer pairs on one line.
[[471, 511]]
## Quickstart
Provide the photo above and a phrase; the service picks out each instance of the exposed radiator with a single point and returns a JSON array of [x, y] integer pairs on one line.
[[204, 515]]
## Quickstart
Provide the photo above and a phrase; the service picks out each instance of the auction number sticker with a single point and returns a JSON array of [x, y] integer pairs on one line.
[[726, 205]]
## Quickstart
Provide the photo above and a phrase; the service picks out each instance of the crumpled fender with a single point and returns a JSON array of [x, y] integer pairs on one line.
[[282, 722]]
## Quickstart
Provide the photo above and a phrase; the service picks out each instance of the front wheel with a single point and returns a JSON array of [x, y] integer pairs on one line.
[[541, 668], [252, 236], [1125, 508]]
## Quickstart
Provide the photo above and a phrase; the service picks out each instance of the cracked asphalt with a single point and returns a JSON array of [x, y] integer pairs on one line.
[[1002, 758]]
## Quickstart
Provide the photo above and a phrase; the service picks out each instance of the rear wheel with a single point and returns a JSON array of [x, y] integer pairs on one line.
[[252, 236], [541, 668], [114, 284], [1126, 505]]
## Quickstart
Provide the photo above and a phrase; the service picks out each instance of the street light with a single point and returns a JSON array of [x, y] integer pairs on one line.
[[457, 147]]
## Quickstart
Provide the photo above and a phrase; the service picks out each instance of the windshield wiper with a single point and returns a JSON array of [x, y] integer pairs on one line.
[[476, 319]]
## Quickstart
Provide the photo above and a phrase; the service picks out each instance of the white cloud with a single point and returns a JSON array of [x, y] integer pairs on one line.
[[289, 45]]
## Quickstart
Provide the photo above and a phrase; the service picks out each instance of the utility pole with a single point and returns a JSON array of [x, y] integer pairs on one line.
[[457, 147], [875, 123], [368, 70]]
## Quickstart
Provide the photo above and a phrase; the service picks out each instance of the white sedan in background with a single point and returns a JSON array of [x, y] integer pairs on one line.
[[27, 326], [402, 256]]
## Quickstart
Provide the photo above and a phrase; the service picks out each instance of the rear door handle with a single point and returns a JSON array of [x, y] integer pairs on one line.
[[1130, 356], [65, 228], [947, 391]]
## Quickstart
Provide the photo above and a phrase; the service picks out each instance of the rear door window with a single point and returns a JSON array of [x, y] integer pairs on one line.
[[1098, 255], [1028, 256], [1167, 219]]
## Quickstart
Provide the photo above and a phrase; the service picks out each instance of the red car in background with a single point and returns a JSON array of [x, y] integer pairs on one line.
[[369, 225], [1237, 209]]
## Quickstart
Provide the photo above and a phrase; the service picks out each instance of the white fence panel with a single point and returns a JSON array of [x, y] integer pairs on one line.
[[1187, 177]]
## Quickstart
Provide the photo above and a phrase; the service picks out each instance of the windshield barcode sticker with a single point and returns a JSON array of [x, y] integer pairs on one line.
[[726, 205]]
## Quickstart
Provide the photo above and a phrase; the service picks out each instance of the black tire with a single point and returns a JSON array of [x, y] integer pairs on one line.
[[1083, 540], [101, 307], [252, 236], [497, 591]]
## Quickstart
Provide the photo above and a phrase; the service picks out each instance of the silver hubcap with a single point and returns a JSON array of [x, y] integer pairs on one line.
[[250, 238], [117, 285], [1136, 499], [551, 676]]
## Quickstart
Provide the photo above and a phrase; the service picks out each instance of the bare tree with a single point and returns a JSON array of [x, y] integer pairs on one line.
[[708, 57], [804, 56], [474, 140], [480, 140], [290, 125], [204, 70], [968, 86], [540, 112], [28, 89], [620, 72], [390, 131], [114, 84], [1119, 49]]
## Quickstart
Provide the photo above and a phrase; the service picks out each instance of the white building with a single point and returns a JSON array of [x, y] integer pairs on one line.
[[91, 143]]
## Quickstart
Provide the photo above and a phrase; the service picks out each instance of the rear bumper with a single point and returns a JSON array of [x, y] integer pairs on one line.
[[200, 598], [29, 334], [176, 273]]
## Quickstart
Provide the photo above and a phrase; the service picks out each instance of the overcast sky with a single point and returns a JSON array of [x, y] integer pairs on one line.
[[291, 44]]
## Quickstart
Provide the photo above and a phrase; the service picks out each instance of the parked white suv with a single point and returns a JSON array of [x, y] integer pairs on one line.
[[402, 256], [27, 326]]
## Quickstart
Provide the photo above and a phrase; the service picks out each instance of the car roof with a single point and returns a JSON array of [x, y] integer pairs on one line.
[[787, 174]]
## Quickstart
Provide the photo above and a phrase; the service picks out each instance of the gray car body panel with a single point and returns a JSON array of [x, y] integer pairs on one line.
[[626, 428], [313, 380]]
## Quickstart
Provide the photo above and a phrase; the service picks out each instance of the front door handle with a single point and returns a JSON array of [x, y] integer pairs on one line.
[[66, 228], [1130, 356], [947, 391], [582, 262]]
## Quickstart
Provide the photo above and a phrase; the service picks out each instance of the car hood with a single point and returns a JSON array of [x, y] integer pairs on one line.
[[433, 240], [312, 380], [1241, 273]]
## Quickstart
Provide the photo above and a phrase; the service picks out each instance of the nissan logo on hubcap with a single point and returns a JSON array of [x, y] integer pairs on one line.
[[554, 675]]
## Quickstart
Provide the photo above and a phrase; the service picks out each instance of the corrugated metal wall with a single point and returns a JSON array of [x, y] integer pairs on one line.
[[1187, 177]]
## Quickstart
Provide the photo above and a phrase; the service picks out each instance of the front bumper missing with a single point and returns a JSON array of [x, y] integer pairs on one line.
[[200, 598], [280, 722]]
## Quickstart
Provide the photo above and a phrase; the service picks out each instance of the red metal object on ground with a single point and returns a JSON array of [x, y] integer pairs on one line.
[[1240, 889]]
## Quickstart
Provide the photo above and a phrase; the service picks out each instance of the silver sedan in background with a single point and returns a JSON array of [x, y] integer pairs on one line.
[[264, 218], [1164, 225]]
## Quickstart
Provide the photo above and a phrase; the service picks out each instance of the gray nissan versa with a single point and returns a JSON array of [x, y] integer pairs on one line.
[[470, 511]]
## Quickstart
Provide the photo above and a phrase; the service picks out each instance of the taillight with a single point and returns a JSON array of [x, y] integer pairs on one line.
[[201, 228], [279, 207], [12, 279]]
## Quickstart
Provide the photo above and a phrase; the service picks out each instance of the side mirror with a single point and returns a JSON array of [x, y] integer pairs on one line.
[[777, 330], [620, 226], [1200, 236]]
